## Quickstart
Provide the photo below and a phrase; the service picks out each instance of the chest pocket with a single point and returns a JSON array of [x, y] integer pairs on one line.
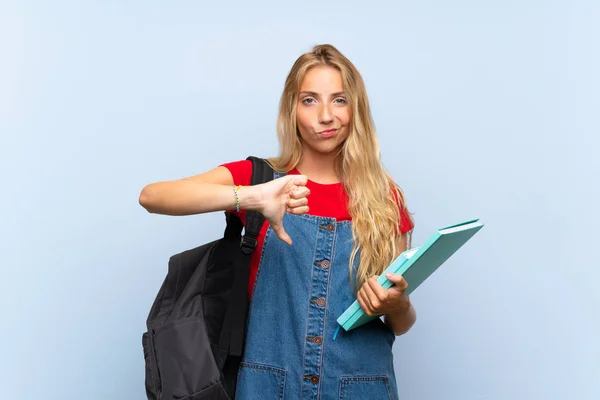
[[260, 382], [365, 387]]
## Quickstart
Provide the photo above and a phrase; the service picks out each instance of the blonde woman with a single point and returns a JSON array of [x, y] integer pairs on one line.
[[335, 219]]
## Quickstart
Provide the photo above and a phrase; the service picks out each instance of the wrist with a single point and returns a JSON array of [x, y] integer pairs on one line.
[[250, 198], [400, 321], [399, 313], [406, 307]]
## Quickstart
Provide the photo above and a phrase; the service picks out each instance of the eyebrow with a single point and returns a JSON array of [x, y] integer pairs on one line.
[[315, 94]]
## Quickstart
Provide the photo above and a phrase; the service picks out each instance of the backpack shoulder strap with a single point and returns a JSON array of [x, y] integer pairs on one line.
[[233, 330], [261, 172]]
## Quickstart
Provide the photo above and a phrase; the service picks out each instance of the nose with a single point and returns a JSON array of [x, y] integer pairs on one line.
[[325, 114]]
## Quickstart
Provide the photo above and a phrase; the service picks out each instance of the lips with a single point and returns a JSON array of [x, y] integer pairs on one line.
[[328, 133]]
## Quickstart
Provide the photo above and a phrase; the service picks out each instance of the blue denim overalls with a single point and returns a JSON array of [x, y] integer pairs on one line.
[[299, 293]]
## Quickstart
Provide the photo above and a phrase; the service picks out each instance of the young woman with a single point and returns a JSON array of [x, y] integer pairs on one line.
[[334, 221]]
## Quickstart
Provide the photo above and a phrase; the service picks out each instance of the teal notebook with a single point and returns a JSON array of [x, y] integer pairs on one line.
[[416, 265]]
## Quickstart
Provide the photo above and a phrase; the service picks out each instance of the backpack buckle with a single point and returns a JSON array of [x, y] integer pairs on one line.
[[248, 244]]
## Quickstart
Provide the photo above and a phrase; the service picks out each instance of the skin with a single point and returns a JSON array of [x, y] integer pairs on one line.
[[212, 191], [322, 105]]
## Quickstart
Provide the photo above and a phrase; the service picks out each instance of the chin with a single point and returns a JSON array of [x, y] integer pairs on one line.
[[327, 148]]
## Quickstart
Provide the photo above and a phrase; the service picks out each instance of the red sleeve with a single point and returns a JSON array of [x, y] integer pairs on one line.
[[241, 171], [406, 222]]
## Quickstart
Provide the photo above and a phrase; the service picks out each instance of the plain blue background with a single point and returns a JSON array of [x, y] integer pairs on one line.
[[484, 109]]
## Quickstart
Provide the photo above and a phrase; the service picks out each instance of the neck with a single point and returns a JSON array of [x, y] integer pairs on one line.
[[319, 168]]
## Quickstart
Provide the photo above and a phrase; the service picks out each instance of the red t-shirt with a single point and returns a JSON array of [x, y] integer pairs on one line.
[[325, 200]]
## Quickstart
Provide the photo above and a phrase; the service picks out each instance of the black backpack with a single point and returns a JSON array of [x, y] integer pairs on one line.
[[196, 326]]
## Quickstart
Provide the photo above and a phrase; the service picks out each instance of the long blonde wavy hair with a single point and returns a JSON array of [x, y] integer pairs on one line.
[[372, 205]]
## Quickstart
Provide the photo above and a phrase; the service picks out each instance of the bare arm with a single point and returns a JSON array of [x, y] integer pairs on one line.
[[400, 321], [213, 191], [203, 193]]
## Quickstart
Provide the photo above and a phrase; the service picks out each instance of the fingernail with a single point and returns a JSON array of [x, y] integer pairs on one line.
[[389, 275]]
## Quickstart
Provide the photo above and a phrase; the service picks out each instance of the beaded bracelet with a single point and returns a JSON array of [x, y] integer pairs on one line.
[[237, 200]]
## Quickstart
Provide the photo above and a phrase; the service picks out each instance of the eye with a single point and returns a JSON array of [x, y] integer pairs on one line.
[[340, 100], [308, 100]]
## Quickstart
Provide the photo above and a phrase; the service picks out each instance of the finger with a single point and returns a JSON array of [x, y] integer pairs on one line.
[[299, 180], [364, 303], [398, 280], [361, 302], [375, 302], [298, 210], [281, 233], [292, 203], [299, 192], [378, 290]]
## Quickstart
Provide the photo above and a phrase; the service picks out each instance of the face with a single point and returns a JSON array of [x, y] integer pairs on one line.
[[323, 113]]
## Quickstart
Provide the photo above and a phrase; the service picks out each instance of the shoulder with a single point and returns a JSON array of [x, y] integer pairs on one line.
[[406, 221]]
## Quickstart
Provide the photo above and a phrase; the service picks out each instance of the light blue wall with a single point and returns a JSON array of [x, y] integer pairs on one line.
[[484, 109]]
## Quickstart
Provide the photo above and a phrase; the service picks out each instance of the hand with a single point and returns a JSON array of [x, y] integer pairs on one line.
[[281, 195], [375, 300]]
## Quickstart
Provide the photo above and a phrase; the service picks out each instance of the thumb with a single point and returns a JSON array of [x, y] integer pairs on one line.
[[398, 280], [281, 233]]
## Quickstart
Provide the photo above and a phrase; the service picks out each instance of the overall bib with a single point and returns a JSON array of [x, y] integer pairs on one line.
[[299, 293]]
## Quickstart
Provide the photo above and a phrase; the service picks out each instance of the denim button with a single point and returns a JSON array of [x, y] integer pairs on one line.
[[314, 379], [321, 302], [325, 264], [328, 228], [318, 340]]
